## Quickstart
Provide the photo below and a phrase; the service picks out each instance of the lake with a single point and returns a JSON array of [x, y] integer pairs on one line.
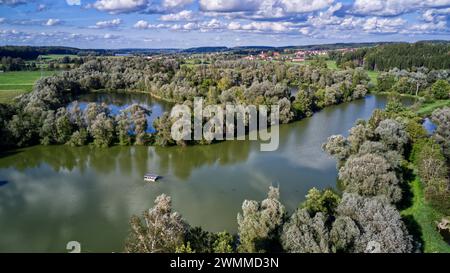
[[52, 195]]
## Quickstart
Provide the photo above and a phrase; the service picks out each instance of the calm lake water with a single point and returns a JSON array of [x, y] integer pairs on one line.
[[52, 195], [118, 102]]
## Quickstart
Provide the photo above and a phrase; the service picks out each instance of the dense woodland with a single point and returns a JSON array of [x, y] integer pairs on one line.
[[401, 55]]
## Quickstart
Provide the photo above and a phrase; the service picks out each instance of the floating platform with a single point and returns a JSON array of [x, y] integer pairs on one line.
[[150, 177]]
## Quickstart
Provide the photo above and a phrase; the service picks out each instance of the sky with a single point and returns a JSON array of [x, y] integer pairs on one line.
[[195, 23]]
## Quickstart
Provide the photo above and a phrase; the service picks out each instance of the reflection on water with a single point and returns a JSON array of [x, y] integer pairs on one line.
[[58, 194], [118, 101]]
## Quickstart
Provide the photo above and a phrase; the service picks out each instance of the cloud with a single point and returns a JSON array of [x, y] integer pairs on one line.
[[52, 22], [229, 5], [383, 25], [120, 6], [262, 9], [433, 15], [305, 5], [13, 2], [73, 2], [263, 27], [2, 20], [41, 7], [175, 4], [427, 28], [110, 36], [185, 15], [108, 23], [394, 7], [143, 6]]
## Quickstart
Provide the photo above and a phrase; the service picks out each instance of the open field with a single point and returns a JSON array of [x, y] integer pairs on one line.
[[55, 56], [373, 75], [425, 217], [12, 84]]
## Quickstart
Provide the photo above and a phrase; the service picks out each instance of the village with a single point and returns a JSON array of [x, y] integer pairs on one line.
[[290, 55]]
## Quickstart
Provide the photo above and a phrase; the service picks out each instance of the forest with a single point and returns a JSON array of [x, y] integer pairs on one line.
[[433, 55]]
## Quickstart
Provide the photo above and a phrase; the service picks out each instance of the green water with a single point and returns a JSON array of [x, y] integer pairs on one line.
[[52, 195]]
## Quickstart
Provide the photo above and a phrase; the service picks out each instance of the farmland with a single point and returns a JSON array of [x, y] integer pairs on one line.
[[13, 84]]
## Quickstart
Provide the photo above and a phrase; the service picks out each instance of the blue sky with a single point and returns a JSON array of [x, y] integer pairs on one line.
[[192, 23]]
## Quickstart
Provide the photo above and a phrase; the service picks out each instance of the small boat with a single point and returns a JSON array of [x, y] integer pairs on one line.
[[151, 177]]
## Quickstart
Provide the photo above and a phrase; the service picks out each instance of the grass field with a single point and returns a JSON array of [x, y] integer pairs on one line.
[[51, 57], [425, 217], [428, 108], [13, 84], [373, 75]]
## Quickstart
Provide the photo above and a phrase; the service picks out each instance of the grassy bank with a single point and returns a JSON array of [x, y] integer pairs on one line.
[[427, 109], [13, 84], [425, 218]]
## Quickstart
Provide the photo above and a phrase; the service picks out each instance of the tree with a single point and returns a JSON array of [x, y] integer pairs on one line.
[[392, 133], [102, 129], [259, 223], [223, 243], [381, 229], [139, 117], [159, 231], [123, 129], [343, 234], [303, 104], [441, 118], [286, 114], [162, 126], [305, 234], [48, 130], [63, 125], [78, 138], [370, 175], [324, 201], [338, 147], [441, 90]]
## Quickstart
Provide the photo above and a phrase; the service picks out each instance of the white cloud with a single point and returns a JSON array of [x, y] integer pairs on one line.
[[229, 5], [41, 7], [383, 25], [13, 2], [110, 36], [185, 15], [305, 5], [141, 24], [73, 2], [108, 23], [394, 7], [427, 28], [52, 22], [327, 17], [433, 15], [120, 6], [175, 4], [2, 20], [263, 26]]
